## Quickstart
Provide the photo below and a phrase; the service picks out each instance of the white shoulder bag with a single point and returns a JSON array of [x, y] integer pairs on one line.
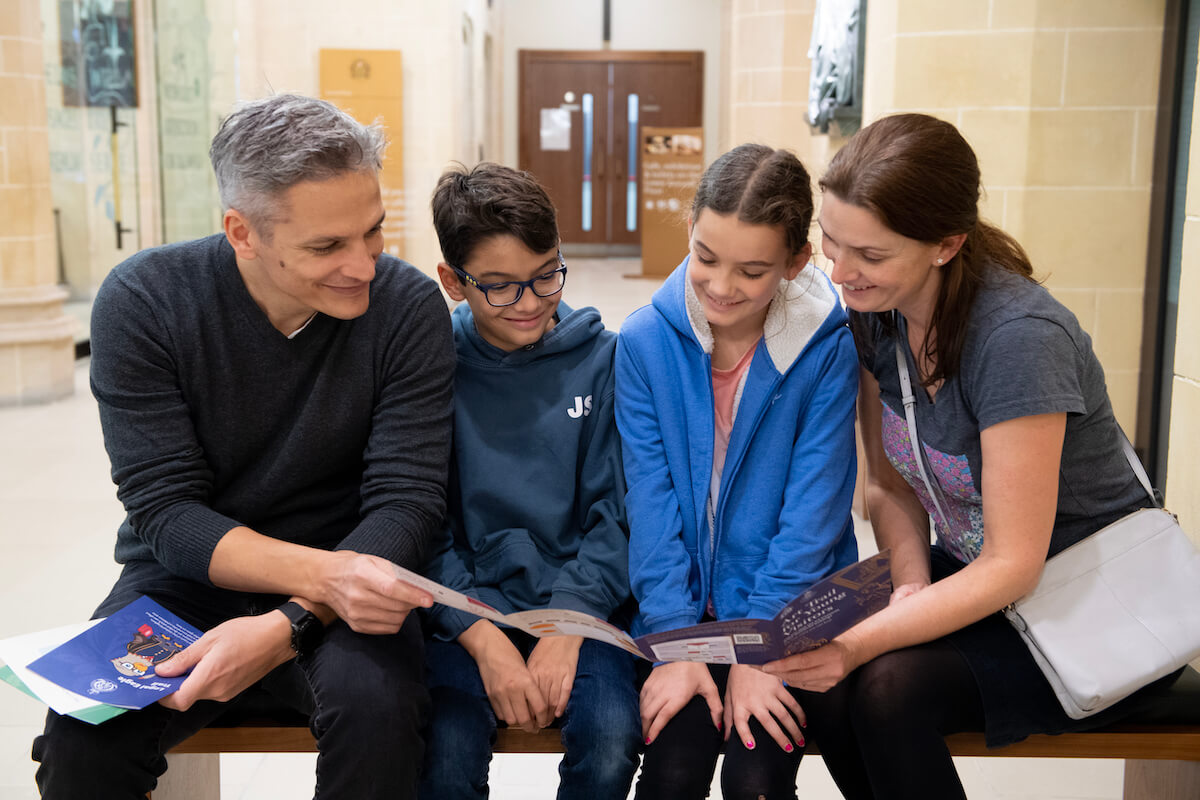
[[1112, 612]]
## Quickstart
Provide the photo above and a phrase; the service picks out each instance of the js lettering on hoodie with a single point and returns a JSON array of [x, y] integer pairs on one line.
[[582, 407]]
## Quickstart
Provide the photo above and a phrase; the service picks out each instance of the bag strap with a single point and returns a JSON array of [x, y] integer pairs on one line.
[[1138, 469], [910, 401]]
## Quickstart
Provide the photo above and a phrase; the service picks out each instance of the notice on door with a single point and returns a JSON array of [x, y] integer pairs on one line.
[[672, 162], [556, 129]]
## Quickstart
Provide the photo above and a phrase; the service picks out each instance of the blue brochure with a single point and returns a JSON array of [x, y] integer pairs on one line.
[[114, 661]]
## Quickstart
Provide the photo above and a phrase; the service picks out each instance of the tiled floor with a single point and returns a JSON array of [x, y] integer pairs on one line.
[[59, 514]]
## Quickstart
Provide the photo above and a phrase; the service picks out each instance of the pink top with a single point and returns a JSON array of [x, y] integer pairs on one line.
[[725, 386]]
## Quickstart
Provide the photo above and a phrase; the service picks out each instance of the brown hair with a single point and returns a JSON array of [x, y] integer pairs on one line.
[[919, 176], [761, 186], [471, 205]]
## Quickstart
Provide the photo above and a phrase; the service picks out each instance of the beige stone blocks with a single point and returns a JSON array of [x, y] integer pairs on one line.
[[1113, 68], [1098, 13], [925, 16], [1084, 238], [1187, 332], [999, 138], [1081, 147], [759, 41], [1183, 467], [1123, 394], [1118, 338], [1047, 68], [36, 372], [988, 69]]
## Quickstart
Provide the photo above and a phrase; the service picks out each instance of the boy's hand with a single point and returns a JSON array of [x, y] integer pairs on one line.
[[510, 686], [753, 693], [672, 686], [228, 659], [552, 664]]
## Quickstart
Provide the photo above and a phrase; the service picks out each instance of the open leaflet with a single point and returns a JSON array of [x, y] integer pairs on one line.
[[825, 610]]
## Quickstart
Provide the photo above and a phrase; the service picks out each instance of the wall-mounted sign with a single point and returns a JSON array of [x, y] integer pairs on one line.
[[672, 162], [367, 84]]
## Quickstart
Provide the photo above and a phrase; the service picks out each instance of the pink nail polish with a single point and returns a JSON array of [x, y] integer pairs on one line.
[[647, 740], [787, 748], [749, 745]]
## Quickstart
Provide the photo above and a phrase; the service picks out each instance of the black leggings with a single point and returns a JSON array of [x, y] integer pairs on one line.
[[882, 730], [680, 762]]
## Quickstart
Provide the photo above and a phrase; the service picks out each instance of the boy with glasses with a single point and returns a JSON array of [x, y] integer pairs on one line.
[[536, 515]]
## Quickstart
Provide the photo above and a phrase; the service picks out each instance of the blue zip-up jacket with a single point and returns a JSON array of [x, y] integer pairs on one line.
[[536, 516], [782, 519]]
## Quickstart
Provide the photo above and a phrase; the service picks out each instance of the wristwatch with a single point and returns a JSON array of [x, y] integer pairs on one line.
[[307, 630]]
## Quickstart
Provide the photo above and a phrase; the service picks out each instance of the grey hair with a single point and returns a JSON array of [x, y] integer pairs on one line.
[[267, 146]]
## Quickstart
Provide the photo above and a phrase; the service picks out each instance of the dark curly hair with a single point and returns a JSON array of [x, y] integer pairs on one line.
[[472, 205]]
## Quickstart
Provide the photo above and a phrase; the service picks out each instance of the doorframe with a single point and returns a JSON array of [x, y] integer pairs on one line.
[[526, 139]]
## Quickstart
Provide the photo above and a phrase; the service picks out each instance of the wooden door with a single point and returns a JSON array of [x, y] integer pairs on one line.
[[581, 114], [661, 92]]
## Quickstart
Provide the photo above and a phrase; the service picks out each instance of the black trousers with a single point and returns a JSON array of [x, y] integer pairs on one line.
[[364, 695]]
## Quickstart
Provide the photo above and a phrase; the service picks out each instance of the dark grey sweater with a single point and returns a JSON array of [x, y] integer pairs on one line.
[[212, 418]]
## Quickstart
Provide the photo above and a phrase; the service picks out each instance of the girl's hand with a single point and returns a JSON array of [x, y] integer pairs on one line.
[[906, 590], [752, 693], [672, 686], [821, 669]]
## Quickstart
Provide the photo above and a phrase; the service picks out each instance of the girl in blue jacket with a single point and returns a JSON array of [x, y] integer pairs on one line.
[[735, 402]]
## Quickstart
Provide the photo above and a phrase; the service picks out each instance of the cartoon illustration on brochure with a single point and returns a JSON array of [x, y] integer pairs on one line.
[[144, 651]]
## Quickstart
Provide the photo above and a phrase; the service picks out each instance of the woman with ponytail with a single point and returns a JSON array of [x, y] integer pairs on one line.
[[1018, 442]]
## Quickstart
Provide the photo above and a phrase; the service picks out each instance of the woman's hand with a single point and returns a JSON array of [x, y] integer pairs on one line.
[[752, 693], [672, 686], [821, 669]]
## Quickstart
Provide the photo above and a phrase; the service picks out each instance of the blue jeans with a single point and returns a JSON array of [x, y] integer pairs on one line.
[[364, 697], [601, 729]]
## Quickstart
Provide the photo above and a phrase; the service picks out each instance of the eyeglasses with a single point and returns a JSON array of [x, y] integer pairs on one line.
[[509, 292]]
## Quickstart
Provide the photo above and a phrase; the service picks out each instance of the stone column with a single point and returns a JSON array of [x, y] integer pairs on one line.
[[37, 348]]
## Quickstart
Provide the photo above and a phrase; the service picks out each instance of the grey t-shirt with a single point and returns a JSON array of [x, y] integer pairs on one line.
[[1024, 354]]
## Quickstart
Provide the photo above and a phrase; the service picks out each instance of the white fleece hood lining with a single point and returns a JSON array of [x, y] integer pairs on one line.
[[798, 309]]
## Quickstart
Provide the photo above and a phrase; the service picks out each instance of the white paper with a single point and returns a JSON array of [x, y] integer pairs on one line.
[[18, 651], [556, 129]]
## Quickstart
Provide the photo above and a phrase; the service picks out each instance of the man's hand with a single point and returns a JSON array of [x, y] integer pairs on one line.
[[228, 659], [752, 693], [672, 686], [552, 664], [364, 592], [510, 685]]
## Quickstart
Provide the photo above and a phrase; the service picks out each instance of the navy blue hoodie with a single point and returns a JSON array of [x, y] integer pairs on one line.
[[535, 517]]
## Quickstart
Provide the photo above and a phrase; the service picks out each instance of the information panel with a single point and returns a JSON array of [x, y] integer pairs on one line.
[[367, 84], [672, 161]]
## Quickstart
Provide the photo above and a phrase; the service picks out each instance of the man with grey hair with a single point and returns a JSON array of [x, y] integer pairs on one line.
[[276, 405]]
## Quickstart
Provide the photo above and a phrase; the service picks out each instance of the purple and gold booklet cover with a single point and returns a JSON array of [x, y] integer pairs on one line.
[[825, 610], [114, 661]]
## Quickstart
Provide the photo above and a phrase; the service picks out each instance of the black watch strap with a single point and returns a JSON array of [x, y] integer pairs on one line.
[[307, 629]]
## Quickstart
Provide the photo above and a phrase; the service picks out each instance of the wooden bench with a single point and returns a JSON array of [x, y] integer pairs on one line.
[[1160, 745]]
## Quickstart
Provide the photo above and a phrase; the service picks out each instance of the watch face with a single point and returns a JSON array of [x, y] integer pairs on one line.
[[307, 633]]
